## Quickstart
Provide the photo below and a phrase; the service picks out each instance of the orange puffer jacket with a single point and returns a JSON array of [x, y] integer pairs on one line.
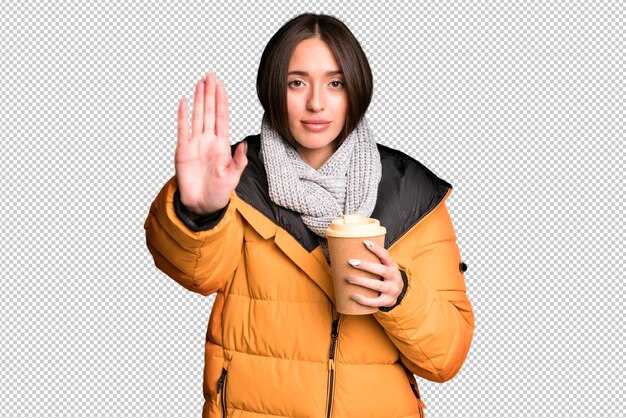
[[275, 345]]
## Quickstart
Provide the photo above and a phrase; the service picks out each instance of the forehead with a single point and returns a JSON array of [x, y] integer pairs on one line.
[[313, 56]]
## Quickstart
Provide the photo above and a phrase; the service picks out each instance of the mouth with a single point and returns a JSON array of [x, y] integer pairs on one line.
[[316, 125], [315, 121]]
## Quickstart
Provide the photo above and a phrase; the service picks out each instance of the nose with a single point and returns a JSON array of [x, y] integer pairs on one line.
[[317, 99]]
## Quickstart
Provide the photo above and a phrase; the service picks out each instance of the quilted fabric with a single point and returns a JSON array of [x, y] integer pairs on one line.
[[275, 345]]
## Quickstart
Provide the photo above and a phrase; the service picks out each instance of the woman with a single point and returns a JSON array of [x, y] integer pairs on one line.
[[247, 222]]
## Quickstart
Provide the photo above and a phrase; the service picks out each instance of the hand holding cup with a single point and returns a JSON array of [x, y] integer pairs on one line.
[[389, 287], [346, 237]]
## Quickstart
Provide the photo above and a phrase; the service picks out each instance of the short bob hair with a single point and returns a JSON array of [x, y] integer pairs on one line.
[[271, 82]]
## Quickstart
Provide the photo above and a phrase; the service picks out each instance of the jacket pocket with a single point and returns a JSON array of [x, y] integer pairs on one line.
[[222, 384]]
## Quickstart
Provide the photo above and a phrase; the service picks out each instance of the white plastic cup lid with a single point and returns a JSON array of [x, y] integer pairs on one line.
[[355, 226]]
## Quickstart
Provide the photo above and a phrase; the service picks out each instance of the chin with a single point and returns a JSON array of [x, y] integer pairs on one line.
[[315, 141]]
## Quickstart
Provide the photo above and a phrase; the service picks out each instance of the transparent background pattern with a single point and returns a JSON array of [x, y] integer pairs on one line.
[[520, 105]]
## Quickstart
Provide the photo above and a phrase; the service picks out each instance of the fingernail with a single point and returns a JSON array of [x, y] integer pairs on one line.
[[354, 262], [245, 147], [369, 243]]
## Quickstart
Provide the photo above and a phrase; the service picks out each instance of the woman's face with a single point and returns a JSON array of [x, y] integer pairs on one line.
[[315, 93]]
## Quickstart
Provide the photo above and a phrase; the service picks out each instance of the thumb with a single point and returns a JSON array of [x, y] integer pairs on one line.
[[240, 159]]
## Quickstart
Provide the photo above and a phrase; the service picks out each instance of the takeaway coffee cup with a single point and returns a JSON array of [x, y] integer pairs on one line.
[[345, 241]]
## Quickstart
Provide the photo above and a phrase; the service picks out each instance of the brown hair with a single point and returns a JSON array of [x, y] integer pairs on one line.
[[271, 82]]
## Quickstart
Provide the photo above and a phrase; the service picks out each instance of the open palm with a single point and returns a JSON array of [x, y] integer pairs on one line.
[[206, 172]]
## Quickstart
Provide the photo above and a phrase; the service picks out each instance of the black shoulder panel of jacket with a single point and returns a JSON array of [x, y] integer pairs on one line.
[[406, 193]]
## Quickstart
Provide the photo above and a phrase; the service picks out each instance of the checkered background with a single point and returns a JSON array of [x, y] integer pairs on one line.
[[520, 105]]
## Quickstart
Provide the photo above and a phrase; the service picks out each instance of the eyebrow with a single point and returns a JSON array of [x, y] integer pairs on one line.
[[304, 73]]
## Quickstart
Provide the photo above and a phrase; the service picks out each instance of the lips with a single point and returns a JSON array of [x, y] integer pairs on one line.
[[316, 125], [316, 121]]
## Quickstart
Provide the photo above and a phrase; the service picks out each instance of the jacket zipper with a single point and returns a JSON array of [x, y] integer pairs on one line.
[[331, 365], [221, 387]]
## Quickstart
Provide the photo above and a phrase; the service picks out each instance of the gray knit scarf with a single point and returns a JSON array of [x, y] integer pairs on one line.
[[347, 183]]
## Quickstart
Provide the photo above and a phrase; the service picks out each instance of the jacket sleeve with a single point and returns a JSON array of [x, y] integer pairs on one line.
[[202, 260], [433, 325]]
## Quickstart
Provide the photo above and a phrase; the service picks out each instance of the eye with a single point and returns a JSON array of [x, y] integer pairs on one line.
[[334, 82], [294, 81]]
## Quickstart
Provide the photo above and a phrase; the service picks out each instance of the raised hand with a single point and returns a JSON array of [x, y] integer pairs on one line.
[[206, 173]]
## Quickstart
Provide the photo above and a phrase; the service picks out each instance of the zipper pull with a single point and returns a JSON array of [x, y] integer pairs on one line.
[[335, 332], [220, 381], [333, 339]]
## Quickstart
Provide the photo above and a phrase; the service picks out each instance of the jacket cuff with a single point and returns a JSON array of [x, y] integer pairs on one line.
[[194, 222], [405, 281]]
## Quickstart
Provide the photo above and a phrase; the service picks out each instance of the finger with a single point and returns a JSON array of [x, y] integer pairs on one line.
[[183, 122], [374, 268], [382, 300], [198, 112], [374, 284], [382, 253], [209, 103], [221, 115]]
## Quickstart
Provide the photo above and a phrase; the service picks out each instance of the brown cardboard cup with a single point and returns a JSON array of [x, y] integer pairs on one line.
[[345, 241]]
